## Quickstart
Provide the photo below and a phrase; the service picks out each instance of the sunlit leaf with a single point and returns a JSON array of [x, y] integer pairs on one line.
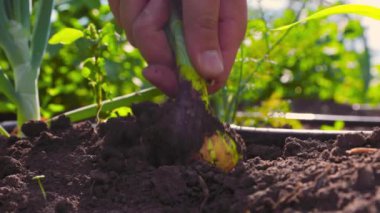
[[86, 72], [66, 36], [108, 37], [338, 125], [56, 107], [358, 9], [353, 29], [121, 111]]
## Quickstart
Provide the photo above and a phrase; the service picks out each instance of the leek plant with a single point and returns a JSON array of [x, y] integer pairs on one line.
[[24, 43]]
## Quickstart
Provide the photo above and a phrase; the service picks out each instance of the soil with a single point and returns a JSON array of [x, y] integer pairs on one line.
[[125, 165]]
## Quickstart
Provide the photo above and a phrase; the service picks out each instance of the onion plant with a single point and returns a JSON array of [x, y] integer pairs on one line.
[[218, 148], [24, 43]]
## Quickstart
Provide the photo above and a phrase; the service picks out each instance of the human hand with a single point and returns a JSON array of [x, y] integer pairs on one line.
[[213, 31]]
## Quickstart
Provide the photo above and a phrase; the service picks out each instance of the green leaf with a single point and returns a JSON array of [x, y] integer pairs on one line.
[[4, 132], [56, 107], [41, 32], [109, 38], [358, 9], [7, 88], [338, 125], [353, 30], [122, 111], [66, 36], [86, 72]]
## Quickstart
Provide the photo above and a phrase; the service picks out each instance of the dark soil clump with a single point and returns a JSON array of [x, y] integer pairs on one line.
[[60, 123], [123, 165], [34, 128]]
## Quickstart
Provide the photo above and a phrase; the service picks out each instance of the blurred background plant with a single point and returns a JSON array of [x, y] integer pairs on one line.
[[326, 59]]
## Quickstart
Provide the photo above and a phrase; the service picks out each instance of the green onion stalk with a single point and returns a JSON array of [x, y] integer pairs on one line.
[[24, 49], [219, 149]]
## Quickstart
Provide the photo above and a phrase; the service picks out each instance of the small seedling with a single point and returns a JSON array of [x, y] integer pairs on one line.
[[93, 68], [38, 178]]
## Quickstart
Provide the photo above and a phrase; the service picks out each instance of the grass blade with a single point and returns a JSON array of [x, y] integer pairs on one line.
[[358, 9], [186, 69], [4, 35], [7, 88], [109, 105]]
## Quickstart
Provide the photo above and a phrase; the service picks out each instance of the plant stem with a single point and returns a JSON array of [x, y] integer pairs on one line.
[[109, 105], [186, 69], [231, 110], [365, 62], [97, 87], [29, 105], [42, 189]]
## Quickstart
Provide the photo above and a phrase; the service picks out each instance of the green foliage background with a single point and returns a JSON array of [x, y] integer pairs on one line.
[[323, 59]]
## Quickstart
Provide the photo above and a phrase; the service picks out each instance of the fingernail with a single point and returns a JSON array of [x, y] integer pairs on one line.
[[211, 63]]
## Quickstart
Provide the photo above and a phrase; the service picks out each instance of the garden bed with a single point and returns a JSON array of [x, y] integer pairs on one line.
[[107, 169]]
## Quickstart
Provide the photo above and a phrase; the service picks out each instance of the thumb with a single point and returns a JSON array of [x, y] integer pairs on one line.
[[201, 20]]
